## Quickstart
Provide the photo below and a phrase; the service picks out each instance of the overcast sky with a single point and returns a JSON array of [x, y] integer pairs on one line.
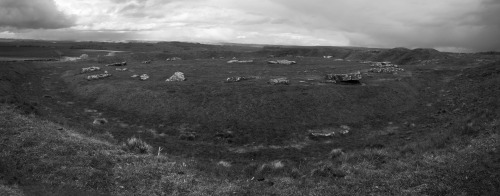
[[447, 25]]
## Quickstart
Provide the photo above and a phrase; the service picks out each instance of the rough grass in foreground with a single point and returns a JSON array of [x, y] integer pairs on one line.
[[136, 145], [45, 155], [49, 155]]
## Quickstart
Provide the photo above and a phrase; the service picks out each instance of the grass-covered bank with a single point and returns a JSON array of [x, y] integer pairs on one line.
[[254, 110], [38, 155]]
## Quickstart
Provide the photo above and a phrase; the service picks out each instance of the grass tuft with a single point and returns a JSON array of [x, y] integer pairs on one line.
[[136, 145]]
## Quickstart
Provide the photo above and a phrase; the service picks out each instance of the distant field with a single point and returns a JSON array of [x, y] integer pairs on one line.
[[161, 50], [27, 52]]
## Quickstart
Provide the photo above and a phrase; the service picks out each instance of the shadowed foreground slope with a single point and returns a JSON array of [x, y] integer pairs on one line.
[[40, 157]]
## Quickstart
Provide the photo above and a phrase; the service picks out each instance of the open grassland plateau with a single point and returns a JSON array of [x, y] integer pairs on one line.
[[431, 129]]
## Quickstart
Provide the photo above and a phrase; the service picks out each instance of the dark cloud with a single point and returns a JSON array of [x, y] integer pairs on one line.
[[462, 24], [78, 35], [29, 14]]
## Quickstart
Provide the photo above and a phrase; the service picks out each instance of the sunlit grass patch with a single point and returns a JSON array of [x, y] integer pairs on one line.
[[136, 145]]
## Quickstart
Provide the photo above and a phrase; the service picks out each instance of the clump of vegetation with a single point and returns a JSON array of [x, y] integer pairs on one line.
[[136, 145]]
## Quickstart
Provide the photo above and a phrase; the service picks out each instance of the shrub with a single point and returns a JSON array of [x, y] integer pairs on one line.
[[136, 145]]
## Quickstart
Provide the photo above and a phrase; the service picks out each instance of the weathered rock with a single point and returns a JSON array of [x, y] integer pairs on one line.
[[271, 166], [100, 121], [178, 76], [386, 70], [235, 79], [328, 132], [134, 76], [350, 77], [277, 164], [174, 59], [121, 69], [282, 62], [84, 56], [224, 164], [345, 128], [277, 81], [385, 67], [90, 69], [146, 62], [99, 76], [240, 61], [63, 59], [144, 77], [118, 64]]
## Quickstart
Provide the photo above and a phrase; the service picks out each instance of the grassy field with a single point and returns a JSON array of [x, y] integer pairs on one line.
[[430, 130]]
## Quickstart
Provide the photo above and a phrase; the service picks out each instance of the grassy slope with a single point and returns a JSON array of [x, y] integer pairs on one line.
[[38, 153], [461, 159], [248, 107], [43, 156]]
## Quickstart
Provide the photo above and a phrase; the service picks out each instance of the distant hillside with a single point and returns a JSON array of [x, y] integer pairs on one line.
[[395, 55], [187, 50]]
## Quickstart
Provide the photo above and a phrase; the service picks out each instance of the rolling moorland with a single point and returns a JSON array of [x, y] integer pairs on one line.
[[431, 128]]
